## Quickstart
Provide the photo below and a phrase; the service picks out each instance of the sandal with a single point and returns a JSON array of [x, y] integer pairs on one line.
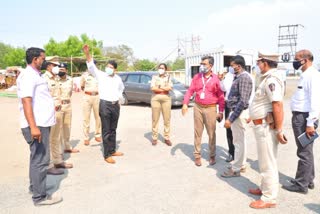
[[230, 173]]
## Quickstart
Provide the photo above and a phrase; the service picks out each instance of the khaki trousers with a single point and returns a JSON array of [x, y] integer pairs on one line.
[[91, 103], [161, 103], [267, 145], [204, 117], [55, 140], [66, 126], [238, 128]]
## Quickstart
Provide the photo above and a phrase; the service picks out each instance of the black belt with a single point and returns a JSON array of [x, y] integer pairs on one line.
[[110, 102], [299, 112]]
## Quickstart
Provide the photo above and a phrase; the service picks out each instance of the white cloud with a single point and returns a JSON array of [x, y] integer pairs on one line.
[[255, 25]]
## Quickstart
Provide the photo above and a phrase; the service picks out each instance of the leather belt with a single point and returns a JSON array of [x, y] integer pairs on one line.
[[258, 121], [162, 92], [64, 102], [113, 102], [207, 106], [91, 93]]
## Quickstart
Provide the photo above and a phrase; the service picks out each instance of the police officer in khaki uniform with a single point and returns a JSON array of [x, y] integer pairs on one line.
[[91, 100], [66, 86], [266, 112], [55, 134], [161, 102]]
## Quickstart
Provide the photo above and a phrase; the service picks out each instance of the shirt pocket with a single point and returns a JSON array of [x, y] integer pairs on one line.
[[300, 93]]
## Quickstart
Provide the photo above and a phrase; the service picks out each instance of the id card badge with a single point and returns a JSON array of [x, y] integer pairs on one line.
[[202, 96]]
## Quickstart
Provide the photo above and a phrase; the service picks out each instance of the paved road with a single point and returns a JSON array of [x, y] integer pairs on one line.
[[147, 179]]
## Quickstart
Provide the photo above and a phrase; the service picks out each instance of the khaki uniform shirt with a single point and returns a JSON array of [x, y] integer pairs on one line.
[[160, 82], [54, 87], [271, 89], [89, 83], [66, 86]]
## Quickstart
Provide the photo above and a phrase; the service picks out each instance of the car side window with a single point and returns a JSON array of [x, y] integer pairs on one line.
[[123, 77], [133, 78], [144, 79]]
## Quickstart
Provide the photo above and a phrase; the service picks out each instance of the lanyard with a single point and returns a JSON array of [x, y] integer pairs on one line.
[[204, 84]]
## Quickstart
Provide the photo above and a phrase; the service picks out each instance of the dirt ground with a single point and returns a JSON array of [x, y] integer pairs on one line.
[[147, 179]]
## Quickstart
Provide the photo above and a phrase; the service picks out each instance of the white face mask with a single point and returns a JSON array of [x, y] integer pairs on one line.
[[161, 71], [55, 70], [109, 71], [257, 70], [231, 70]]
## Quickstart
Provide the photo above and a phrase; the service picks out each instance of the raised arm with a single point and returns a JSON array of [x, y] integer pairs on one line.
[[92, 68]]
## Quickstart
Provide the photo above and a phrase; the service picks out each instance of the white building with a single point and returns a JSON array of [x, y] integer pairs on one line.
[[221, 60]]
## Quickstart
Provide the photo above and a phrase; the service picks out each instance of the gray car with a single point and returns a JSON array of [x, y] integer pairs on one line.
[[137, 88]]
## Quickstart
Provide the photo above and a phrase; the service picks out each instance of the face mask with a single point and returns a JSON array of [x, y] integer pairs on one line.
[[109, 71], [61, 74], [161, 71], [55, 70], [297, 64], [43, 65], [203, 69], [231, 70]]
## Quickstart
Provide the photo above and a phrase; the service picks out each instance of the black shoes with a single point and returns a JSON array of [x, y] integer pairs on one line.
[[310, 186], [229, 158], [295, 188]]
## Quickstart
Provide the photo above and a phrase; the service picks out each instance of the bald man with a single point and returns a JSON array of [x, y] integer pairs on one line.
[[305, 106]]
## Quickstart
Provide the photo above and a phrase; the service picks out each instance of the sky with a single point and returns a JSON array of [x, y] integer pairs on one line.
[[151, 28]]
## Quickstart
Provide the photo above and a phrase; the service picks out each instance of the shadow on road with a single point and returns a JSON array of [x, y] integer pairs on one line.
[[148, 136], [54, 181], [313, 207]]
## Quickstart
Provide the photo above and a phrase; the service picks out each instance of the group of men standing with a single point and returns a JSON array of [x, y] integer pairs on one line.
[[264, 107], [46, 122]]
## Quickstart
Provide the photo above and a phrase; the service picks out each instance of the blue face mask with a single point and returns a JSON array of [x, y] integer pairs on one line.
[[109, 71]]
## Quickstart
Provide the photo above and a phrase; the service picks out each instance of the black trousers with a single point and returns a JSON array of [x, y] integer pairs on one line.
[[305, 170], [229, 133], [109, 115]]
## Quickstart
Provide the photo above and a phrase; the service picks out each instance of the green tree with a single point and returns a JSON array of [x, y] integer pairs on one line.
[[144, 65], [179, 63], [4, 49], [122, 54], [72, 46], [15, 57]]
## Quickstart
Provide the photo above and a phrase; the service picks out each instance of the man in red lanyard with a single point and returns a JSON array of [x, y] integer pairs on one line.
[[206, 85]]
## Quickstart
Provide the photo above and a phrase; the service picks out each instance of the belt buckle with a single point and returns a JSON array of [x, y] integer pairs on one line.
[[93, 93]]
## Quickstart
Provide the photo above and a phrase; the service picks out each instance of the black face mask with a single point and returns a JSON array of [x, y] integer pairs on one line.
[[61, 74], [297, 64], [44, 65]]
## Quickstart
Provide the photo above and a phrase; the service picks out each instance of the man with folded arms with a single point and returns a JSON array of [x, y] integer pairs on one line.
[[206, 85]]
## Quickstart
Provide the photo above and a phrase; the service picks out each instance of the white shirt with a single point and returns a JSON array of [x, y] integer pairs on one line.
[[31, 84], [226, 84], [306, 98], [110, 88]]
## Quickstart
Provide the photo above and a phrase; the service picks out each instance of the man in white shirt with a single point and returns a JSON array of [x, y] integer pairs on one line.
[[305, 106], [36, 117], [225, 84], [110, 88]]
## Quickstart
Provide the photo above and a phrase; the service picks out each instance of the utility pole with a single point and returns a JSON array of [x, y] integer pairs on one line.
[[288, 41]]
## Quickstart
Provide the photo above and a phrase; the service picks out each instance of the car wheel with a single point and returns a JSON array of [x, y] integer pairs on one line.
[[125, 99]]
